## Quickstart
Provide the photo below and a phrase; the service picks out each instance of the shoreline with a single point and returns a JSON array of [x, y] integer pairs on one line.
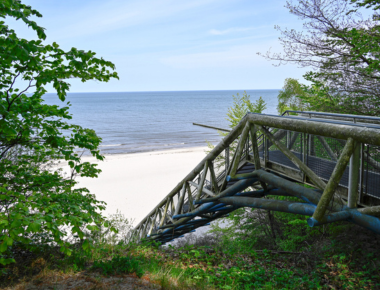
[[134, 183]]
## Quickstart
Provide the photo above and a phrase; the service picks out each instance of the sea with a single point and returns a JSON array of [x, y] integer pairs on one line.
[[131, 122]]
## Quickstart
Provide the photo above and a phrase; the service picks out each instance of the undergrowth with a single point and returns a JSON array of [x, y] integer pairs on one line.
[[345, 257]]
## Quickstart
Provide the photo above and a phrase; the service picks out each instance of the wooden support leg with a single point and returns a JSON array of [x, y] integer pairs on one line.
[[202, 181], [353, 181], [334, 180], [255, 149], [239, 149], [181, 199]]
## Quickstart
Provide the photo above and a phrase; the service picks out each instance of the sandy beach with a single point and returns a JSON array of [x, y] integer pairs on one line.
[[135, 183]]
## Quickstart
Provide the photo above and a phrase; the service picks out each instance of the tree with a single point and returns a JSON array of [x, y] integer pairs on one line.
[[343, 50], [242, 104], [289, 98], [38, 204]]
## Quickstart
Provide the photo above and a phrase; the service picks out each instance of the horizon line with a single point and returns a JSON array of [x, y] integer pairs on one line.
[[167, 91]]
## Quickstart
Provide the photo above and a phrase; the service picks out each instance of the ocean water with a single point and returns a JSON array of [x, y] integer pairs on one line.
[[130, 122]]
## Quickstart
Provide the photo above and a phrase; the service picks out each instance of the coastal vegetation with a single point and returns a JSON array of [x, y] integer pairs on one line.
[[341, 47], [52, 231], [38, 203]]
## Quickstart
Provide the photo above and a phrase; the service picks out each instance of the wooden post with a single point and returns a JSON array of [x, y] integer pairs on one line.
[[288, 139], [313, 177], [311, 145], [304, 154], [334, 180], [361, 171], [214, 182], [227, 159], [164, 213], [202, 181], [153, 223], [265, 151], [239, 149], [190, 197], [181, 199], [353, 181], [255, 150]]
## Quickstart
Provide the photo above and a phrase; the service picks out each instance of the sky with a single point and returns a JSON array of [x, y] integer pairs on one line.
[[172, 45]]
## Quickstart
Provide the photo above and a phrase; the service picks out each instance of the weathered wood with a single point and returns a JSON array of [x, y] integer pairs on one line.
[[190, 197], [165, 212], [226, 141], [278, 135], [334, 180], [227, 159], [213, 180], [327, 148], [239, 149], [353, 178], [373, 210], [212, 127], [153, 223], [255, 151], [338, 131], [200, 186], [224, 183], [311, 145], [313, 177], [181, 199], [204, 190], [293, 140]]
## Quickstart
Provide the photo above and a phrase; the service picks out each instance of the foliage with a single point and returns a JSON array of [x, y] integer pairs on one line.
[[120, 265], [290, 97], [342, 48], [38, 204], [337, 260], [242, 104]]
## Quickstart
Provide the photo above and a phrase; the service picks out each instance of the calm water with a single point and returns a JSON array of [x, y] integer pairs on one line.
[[146, 121]]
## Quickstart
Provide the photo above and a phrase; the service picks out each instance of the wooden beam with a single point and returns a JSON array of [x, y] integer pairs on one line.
[[313, 177], [205, 190], [239, 149], [189, 197], [334, 180], [255, 151], [360, 133], [153, 223], [181, 199], [164, 213], [213, 180], [200, 187], [353, 178]]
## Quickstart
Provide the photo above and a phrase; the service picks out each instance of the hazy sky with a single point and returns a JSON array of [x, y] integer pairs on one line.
[[166, 45]]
